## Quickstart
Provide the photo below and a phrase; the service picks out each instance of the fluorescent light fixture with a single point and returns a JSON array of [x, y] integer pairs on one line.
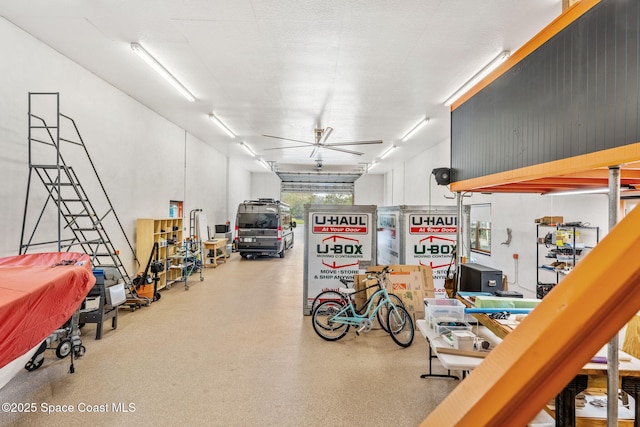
[[479, 76], [387, 152], [415, 129], [248, 149], [159, 68], [574, 192], [221, 125], [372, 165], [265, 164]]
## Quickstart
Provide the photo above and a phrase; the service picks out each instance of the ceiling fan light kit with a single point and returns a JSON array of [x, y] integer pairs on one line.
[[221, 125], [415, 129], [160, 69], [324, 135], [478, 76]]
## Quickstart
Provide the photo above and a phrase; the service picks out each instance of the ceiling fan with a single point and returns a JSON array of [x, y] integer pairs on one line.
[[321, 136]]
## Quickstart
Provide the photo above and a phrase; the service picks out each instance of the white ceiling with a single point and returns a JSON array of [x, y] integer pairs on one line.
[[370, 69]]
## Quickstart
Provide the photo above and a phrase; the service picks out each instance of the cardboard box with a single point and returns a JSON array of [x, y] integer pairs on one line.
[[550, 220], [413, 303], [359, 283], [411, 283], [408, 277]]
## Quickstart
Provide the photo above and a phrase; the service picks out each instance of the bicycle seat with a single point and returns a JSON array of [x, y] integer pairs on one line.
[[347, 291]]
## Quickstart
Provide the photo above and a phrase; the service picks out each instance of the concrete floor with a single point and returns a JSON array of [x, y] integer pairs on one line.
[[233, 350]]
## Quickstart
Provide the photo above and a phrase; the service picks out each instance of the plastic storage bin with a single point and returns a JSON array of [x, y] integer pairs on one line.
[[442, 312]]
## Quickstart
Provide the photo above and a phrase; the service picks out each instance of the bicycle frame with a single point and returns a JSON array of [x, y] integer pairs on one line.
[[356, 319]]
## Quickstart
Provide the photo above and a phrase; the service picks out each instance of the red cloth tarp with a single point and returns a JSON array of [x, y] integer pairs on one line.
[[37, 296]]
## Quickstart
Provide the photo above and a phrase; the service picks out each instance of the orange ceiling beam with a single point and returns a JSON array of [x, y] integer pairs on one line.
[[586, 163]]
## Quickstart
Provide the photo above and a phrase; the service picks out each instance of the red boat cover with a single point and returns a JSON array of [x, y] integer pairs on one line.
[[38, 294]]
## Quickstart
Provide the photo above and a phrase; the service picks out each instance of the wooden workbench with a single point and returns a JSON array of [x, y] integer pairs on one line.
[[213, 246]]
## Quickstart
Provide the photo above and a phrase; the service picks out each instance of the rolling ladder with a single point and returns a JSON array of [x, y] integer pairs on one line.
[[79, 226]]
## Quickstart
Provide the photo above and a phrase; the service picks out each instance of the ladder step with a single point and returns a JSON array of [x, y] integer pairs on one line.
[[86, 242], [43, 127], [86, 229], [70, 215], [51, 167], [62, 184]]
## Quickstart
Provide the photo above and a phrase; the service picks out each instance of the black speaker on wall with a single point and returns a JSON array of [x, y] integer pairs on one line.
[[443, 175]]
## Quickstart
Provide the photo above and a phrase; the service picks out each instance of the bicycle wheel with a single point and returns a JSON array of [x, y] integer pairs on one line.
[[383, 311], [327, 296], [324, 326], [400, 326]]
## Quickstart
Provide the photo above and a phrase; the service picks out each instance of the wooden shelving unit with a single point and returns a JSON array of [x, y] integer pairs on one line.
[[167, 232]]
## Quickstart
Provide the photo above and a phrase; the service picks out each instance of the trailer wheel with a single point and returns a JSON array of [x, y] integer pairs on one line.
[[63, 349]]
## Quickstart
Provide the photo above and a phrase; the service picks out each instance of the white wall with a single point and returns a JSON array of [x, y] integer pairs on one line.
[[367, 190], [239, 189], [142, 159], [518, 212], [265, 186]]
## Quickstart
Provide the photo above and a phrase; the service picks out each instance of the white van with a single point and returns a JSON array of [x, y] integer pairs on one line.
[[263, 227]]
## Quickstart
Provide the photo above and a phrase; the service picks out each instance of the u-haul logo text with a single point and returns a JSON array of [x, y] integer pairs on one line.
[[420, 224], [353, 224]]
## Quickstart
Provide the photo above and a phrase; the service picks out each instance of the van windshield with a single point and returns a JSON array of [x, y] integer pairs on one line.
[[257, 220]]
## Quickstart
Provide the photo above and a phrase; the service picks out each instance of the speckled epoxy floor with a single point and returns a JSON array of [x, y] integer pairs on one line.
[[233, 350]]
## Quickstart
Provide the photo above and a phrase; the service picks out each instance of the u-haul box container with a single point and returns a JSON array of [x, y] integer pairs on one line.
[[339, 240], [421, 235]]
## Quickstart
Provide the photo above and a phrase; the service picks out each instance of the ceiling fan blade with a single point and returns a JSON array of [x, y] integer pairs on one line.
[[335, 144], [315, 150], [329, 147], [288, 139], [284, 148]]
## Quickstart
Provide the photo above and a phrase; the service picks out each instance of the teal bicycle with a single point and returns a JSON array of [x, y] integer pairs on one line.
[[333, 319]]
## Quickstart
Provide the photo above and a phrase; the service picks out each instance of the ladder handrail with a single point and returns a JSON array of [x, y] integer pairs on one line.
[[104, 191]]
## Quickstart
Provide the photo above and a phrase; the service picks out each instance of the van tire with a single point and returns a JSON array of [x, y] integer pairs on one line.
[[282, 253]]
